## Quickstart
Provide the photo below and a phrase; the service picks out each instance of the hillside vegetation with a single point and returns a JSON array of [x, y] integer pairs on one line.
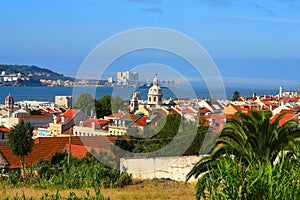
[[34, 73]]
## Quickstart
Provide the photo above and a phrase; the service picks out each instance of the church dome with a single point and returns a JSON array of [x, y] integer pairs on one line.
[[155, 89], [155, 93]]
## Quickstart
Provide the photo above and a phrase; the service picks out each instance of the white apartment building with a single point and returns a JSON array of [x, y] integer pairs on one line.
[[127, 78]]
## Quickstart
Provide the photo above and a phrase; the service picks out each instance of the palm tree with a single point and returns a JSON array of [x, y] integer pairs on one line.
[[253, 139]]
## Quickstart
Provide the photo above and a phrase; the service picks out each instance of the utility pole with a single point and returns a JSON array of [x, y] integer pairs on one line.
[[69, 151]]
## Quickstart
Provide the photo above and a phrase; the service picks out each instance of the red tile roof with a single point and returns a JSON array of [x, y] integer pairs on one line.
[[116, 115], [77, 150], [70, 113], [36, 117], [142, 121], [284, 119], [185, 110], [98, 122], [4, 129], [204, 110], [81, 151], [132, 117], [48, 146]]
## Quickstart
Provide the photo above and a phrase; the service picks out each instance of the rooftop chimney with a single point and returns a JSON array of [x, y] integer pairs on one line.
[[54, 119], [280, 91]]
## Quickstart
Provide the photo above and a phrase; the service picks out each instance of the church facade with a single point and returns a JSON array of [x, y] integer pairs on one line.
[[154, 99]]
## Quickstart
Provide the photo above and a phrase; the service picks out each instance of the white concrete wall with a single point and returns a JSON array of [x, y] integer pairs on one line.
[[80, 131], [175, 168]]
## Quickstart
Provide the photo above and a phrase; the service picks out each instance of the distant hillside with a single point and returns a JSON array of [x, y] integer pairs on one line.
[[34, 72]]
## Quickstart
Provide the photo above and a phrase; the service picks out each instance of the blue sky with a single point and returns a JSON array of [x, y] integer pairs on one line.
[[253, 43]]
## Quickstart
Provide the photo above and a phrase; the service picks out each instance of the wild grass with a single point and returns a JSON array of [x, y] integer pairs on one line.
[[142, 190]]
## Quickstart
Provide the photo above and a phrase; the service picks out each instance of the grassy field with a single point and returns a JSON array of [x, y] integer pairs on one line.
[[139, 190]]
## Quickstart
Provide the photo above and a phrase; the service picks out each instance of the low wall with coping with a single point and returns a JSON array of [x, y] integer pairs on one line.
[[175, 168]]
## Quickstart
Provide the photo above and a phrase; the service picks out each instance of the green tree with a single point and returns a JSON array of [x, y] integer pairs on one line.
[[108, 105], [20, 140], [86, 103], [253, 139], [236, 96], [103, 106], [117, 104], [58, 157], [195, 147]]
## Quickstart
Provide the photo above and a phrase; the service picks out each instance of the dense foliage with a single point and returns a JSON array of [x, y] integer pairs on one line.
[[103, 107], [235, 96], [172, 136], [83, 173], [255, 159], [86, 103]]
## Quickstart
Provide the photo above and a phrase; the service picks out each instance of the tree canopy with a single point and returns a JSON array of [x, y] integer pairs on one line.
[[236, 96], [20, 140], [86, 103], [185, 137]]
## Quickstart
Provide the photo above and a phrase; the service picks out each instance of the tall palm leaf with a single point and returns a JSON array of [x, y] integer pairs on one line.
[[252, 138]]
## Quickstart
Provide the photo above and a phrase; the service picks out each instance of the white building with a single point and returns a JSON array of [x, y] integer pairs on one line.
[[9, 77], [155, 93], [128, 78]]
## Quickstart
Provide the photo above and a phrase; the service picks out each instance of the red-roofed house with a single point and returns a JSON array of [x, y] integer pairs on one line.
[[91, 127], [48, 146], [114, 116], [79, 151], [62, 125], [286, 117], [119, 125], [142, 121], [3, 134]]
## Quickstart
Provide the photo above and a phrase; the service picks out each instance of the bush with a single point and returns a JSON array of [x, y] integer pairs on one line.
[[58, 157], [83, 173], [232, 180]]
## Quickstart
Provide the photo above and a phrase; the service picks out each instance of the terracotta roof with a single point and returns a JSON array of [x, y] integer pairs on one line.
[[70, 113], [4, 129], [36, 117], [284, 119], [185, 110], [204, 110], [116, 115], [294, 99], [81, 151], [98, 122], [77, 150], [48, 146], [128, 116], [142, 121]]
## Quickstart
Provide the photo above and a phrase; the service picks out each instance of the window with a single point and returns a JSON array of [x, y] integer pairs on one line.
[[154, 99], [149, 99]]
